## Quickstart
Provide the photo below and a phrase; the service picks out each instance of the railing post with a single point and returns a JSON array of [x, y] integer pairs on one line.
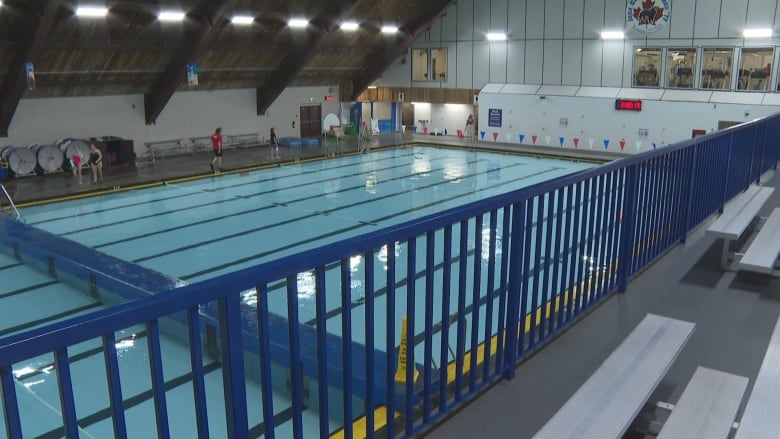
[[686, 219], [626, 248], [13, 423], [513, 292], [233, 366]]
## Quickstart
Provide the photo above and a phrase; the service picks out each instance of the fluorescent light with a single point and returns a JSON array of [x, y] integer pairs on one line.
[[757, 33], [242, 19], [388, 29], [88, 11], [170, 16], [496, 36], [371, 87], [349, 25], [298, 22], [612, 35]]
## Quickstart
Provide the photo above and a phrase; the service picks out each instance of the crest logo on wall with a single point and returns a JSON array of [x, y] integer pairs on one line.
[[647, 15]]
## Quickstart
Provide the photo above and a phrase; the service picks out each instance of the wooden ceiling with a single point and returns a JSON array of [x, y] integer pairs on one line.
[[130, 51]]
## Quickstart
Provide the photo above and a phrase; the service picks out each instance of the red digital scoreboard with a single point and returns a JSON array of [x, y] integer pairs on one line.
[[329, 98], [628, 104]]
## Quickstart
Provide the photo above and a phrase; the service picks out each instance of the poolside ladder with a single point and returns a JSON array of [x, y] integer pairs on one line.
[[11, 202]]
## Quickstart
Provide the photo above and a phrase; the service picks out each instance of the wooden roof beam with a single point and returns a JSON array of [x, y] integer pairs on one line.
[[303, 51], [38, 17], [197, 26], [432, 10]]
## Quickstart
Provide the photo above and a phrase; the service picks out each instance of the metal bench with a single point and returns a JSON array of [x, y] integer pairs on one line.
[[737, 216], [242, 141], [707, 407], [161, 148], [763, 251], [202, 143], [607, 403], [760, 419]]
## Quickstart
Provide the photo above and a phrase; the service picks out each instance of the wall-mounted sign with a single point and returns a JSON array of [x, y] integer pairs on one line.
[[647, 15], [29, 73], [192, 74], [494, 117]]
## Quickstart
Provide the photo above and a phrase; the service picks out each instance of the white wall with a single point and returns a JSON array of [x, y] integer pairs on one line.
[[557, 42], [188, 114], [596, 119], [450, 117]]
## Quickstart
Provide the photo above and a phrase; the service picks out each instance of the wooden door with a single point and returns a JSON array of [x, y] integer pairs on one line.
[[311, 121]]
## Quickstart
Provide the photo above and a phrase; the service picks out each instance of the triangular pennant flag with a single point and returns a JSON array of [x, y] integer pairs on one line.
[[403, 129], [508, 137], [590, 143], [638, 145], [534, 138], [445, 131], [576, 142], [622, 144], [548, 140], [606, 143], [561, 140], [482, 134], [495, 136], [653, 145], [522, 137]]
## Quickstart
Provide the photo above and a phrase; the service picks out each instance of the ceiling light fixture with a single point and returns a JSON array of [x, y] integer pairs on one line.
[[298, 22], [242, 19], [349, 26], [496, 36], [757, 33], [388, 29], [170, 16], [612, 35], [90, 11]]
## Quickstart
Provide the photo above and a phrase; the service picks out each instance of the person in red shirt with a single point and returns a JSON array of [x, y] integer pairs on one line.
[[216, 143]]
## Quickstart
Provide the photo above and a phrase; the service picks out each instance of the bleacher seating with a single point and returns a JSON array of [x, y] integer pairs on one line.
[[607, 403], [760, 419], [707, 407], [762, 253], [736, 218]]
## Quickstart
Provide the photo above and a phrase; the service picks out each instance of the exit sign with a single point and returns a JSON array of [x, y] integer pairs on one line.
[[329, 98]]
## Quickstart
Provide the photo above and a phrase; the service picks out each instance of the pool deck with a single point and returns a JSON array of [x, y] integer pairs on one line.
[[34, 189]]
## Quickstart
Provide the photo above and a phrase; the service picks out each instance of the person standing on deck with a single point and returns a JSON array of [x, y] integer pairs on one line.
[[274, 145], [216, 144]]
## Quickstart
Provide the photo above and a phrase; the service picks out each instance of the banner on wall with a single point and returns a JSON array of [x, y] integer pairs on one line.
[[29, 73], [647, 15], [494, 117], [192, 74]]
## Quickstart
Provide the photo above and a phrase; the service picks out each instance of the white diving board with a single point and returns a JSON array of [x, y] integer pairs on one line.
[[607, 403], [707, 407], [761, 418], [763, 251]]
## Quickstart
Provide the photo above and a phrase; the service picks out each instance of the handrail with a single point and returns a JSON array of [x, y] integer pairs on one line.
[[13, 206]]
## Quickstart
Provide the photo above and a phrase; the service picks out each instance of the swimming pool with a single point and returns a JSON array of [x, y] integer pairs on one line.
[[198, 230]]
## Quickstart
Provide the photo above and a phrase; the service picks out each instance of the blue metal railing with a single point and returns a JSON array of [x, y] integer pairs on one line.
[[480, 286]]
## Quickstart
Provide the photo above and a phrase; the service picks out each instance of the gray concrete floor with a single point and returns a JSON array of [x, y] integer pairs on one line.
[[734, 315]]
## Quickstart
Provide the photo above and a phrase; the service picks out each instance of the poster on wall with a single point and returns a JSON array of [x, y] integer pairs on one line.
[[647, 15], [494, 117], [192, 74], [29, 73]]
